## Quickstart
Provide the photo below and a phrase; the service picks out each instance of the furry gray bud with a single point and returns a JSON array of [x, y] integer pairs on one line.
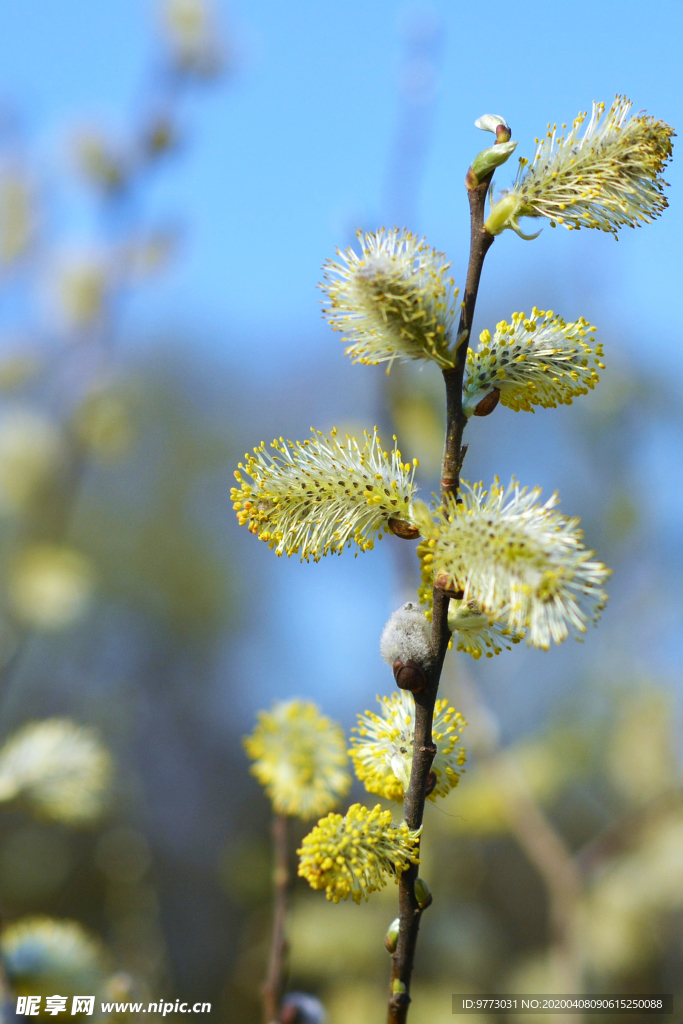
[[406, 636]]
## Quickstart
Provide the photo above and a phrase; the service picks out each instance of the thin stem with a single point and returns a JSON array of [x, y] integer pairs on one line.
[[274, 985], [456, 421], [424, 749]]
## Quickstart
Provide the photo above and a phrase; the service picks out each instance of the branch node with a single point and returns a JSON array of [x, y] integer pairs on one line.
[[444, 582]]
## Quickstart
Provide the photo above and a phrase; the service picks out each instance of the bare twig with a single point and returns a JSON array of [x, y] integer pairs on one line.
[[424, 750], [274, 985], [456, 421]]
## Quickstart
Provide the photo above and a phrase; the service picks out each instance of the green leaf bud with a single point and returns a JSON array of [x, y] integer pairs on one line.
[[487, 161], [423, 894], [391, 938]]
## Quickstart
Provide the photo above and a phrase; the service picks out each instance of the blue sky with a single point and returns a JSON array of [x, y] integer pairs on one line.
[[293, 149]]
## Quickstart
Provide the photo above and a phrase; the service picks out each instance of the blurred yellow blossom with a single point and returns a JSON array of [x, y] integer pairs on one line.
[[81, 290], [61, 769], [150, 254], [31, 451], [42, 955], [49, 585], [191, 31], [16, 215], [97, 159], [16, 368], [299, 758], [622, 913], [543, 766], [642, 763], [327, 942], [103, 423]]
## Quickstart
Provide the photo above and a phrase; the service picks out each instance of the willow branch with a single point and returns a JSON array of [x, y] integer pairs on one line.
[[274, 985], [424, 750], [456, 421]]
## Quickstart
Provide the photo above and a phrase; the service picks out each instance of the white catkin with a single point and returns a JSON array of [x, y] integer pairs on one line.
[[406, 636]]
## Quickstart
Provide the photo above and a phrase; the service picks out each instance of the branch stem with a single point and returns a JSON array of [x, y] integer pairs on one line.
[[274, 985], [456, 421], [424, 749]]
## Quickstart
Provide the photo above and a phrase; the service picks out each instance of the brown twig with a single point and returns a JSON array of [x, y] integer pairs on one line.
[[274, 985], [424, 750], [456, 421]]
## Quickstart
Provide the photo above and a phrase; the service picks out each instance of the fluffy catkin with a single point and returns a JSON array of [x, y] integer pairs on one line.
[[406, 636]]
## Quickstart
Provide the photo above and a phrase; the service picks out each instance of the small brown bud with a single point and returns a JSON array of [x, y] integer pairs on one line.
[[404, 530], [409, 675], [431, 783], [503, 133], [488, 403]]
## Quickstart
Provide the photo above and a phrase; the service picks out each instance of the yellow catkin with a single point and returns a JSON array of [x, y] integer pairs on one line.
[[522, 562], [533, 360], [316, 497], [394, 300], [356, 854], [382, 747], [603, 174]]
